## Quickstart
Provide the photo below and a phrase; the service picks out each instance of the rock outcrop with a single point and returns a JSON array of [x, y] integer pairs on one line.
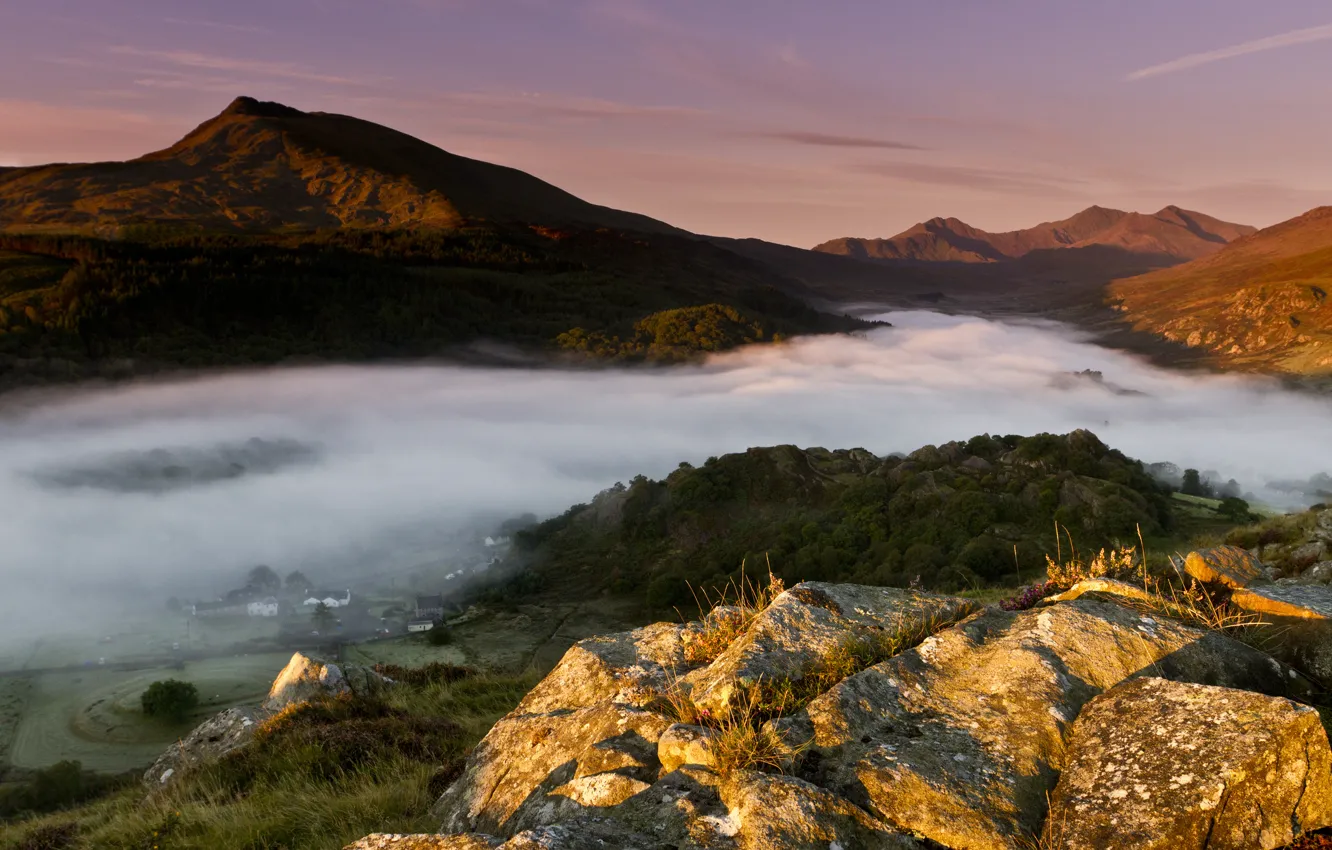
[[1301, 617], [1227, 565], [306, 677], [1160, 764], [220, 734], [958, 740], [303, 679]]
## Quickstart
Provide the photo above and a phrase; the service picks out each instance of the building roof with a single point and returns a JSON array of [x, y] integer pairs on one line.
[[435, 601]]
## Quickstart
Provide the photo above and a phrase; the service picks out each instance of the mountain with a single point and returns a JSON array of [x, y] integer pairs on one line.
[[1170, 236], [1260, 304], [265, 166]]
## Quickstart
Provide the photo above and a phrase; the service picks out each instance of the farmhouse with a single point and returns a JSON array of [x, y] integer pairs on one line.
[[420, 625], [429, 607], [266, 607], [331, 598], [220, 608]]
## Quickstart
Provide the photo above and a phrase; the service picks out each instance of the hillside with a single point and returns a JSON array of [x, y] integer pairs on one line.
[[1167, 237], [1260, 304], [956, 516], [265, 166]]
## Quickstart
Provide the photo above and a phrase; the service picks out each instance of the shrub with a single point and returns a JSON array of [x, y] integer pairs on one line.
[[51, 836], [434, 673], [170, 699], [440, 635]]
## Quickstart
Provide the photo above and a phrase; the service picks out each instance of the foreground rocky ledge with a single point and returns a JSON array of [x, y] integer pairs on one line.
[[1129, 722]]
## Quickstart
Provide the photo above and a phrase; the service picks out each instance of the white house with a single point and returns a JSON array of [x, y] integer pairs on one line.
[[267, 607], [329, 598], [420, 625]]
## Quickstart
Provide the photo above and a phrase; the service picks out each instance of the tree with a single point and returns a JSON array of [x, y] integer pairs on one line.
[[170, 699], [296, 580], [1192, 485], [264, 577], [1234, 509], [439, 635], [323, 617]]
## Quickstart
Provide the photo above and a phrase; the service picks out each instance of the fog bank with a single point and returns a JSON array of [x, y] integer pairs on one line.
[[329, 469]]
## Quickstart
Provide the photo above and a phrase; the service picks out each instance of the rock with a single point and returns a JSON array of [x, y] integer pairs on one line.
[[681, 744], [1108, 586], [629, 668], [1228, 565], [386, 841], [1160, 764], [1307, 554], [215, 737], [1323, 526], [536, 769], [790, 813], [1300, 616], [803, 624], [306, 677], [1319, 573], [960, 739]]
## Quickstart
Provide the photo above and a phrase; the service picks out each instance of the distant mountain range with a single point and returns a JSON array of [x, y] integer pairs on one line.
[[265, 166], [1170, 236], [268, 234]]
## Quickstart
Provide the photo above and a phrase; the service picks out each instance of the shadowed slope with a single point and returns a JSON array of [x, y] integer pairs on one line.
[[268, 166]]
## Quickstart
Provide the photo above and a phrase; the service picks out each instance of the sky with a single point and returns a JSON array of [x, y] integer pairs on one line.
[[396, 454], [795, 122]]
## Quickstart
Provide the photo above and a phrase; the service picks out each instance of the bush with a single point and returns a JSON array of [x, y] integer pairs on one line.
[[170, 699], [61, 785], [440, 635]]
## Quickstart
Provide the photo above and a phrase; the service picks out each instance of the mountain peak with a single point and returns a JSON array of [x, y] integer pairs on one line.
[[253, 108]]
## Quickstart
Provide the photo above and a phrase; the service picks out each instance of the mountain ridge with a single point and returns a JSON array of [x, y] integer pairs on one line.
[[267, 166], [1172, 233]]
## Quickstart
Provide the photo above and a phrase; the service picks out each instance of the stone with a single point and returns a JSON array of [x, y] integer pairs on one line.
[[1307, 554], [1300, 617], [306, 677], [220, 734], [1319, 573], [1107, 586], [790, 813], [534, 769], [960, 739], [1228, 565], [682, 744], [629, 668], [1160, 764], [390, 841], [802, 625]]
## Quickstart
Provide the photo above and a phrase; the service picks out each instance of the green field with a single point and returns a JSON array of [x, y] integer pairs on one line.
[[94, 717]]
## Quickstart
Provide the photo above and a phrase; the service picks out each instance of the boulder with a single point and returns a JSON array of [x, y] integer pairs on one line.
[[306, 677], [1301, 618], [803, 625], [1228, 565], [1160, 764], [1307, 554], [784, 811], [682, 744], [1319, 573], [960, 739], [629, 668], [1108, 586], [387, 841], [215, 737], [537, 769]]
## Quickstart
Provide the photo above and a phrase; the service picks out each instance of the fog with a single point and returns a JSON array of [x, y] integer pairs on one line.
[[124, 496]]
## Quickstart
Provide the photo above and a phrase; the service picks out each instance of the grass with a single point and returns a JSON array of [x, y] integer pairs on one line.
[[727, 614], [318, 777]]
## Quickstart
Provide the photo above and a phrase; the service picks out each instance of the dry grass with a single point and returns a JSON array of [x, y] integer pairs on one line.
[[727, 614]]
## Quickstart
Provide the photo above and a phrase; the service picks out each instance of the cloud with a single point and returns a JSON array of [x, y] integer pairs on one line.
[[1274, 42], [834, 141], [982, 179], [255, 67], [406, 456]]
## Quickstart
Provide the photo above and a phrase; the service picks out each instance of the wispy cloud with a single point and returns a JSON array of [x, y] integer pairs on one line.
[[827, 140], [1272, 42], [982, 179], [256, 67]]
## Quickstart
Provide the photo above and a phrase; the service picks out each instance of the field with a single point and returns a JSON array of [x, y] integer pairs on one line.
[[93, 716], [409, 651]]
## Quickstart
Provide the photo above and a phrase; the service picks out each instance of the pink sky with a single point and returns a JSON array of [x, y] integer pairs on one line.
[[791, 121]]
